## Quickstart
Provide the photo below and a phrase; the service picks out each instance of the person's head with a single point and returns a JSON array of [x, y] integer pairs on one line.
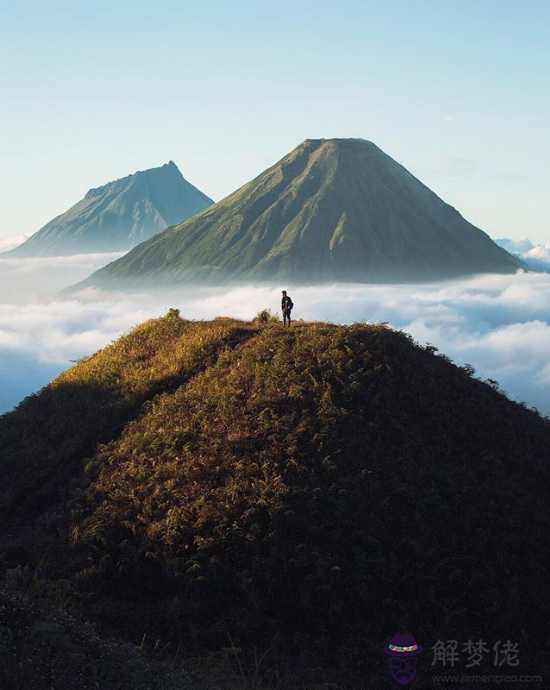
[[284, 292]]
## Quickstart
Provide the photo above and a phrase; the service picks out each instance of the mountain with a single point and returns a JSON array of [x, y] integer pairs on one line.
[[331, 210], [41, 640], [221, 483], [119, 215]]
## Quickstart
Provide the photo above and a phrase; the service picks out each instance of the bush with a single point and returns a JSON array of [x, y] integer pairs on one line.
[[265, 316]]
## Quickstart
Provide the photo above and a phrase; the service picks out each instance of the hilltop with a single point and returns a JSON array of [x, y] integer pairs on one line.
[[332, 210], [119, 215], [315, 488]]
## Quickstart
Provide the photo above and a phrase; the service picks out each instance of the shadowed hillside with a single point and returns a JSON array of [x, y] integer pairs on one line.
[[316, 488], [331, 210], [45, 441]]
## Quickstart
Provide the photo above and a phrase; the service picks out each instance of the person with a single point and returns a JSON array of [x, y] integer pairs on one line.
[[286, 307]]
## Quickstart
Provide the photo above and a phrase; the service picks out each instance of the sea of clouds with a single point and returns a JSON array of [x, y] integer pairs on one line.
[[499, 324], [536, 256]]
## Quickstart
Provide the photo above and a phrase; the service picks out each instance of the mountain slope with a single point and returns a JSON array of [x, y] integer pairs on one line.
[[331, 210], [317, 486], [119, 215]]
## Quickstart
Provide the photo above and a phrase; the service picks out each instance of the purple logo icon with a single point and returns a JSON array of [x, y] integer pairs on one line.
[[403, 652]]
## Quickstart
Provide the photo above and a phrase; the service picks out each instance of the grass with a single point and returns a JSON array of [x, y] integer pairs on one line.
[[293, 490]]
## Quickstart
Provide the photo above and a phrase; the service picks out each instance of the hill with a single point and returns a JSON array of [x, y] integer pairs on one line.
[[119, 215], [331, 210], [315, 488]]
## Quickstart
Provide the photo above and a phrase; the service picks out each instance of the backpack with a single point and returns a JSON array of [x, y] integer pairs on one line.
[[289, 303]]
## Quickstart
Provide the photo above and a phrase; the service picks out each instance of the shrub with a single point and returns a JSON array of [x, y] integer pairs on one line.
[[265, 316]]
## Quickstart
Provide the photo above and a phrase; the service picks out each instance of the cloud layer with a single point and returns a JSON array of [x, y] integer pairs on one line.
[[536, 257], [8, 243], [499, 324], [26, 279]]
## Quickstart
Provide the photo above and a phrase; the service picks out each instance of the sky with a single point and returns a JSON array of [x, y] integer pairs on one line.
[[456, 90]]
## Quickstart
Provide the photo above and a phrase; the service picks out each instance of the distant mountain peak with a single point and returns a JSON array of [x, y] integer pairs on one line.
[[349, 142], [332, 210], [120, 214], [148, 172]]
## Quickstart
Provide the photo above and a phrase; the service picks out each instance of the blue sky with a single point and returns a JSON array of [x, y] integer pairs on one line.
[[457, 91]]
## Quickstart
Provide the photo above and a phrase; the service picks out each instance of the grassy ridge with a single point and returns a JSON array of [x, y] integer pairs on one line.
[[45, 441], [306, 487]]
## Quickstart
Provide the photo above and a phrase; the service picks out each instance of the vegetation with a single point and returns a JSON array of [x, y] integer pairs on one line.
[[46, 439], [331, 210], [265, 316], [307, 491], [42, 646]]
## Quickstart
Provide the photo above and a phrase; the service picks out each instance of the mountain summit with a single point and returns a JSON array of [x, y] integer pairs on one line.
[[119, 215], [196, 481], [331, 210]]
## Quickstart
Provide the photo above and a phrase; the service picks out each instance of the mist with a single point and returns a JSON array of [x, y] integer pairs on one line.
[[500, 324], [24, 280]]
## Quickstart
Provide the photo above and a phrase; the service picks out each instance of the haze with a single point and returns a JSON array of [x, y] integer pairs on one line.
[[497, 323], [457, 91]]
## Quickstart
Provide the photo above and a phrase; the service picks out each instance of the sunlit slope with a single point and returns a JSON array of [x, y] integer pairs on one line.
[[305, 485], [44, 441], [331, 210]]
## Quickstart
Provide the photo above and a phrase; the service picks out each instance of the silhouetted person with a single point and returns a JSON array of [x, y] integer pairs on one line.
[[286, 307]]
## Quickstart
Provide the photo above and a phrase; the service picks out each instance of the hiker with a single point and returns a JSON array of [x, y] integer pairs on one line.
[[286, 306]]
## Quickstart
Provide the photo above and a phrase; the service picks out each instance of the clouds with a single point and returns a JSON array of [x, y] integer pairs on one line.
[[39, 340], [536, 257], [24, 279], [539, 257], [12, 242], [516, 246], [499, 324]]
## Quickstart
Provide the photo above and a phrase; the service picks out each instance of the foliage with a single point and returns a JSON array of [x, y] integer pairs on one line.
[[43, 647], [45, 440], [265, 316], [309, 486]]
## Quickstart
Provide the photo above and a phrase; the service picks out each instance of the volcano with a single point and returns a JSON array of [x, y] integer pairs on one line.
[[332, 210], [119, 215]]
